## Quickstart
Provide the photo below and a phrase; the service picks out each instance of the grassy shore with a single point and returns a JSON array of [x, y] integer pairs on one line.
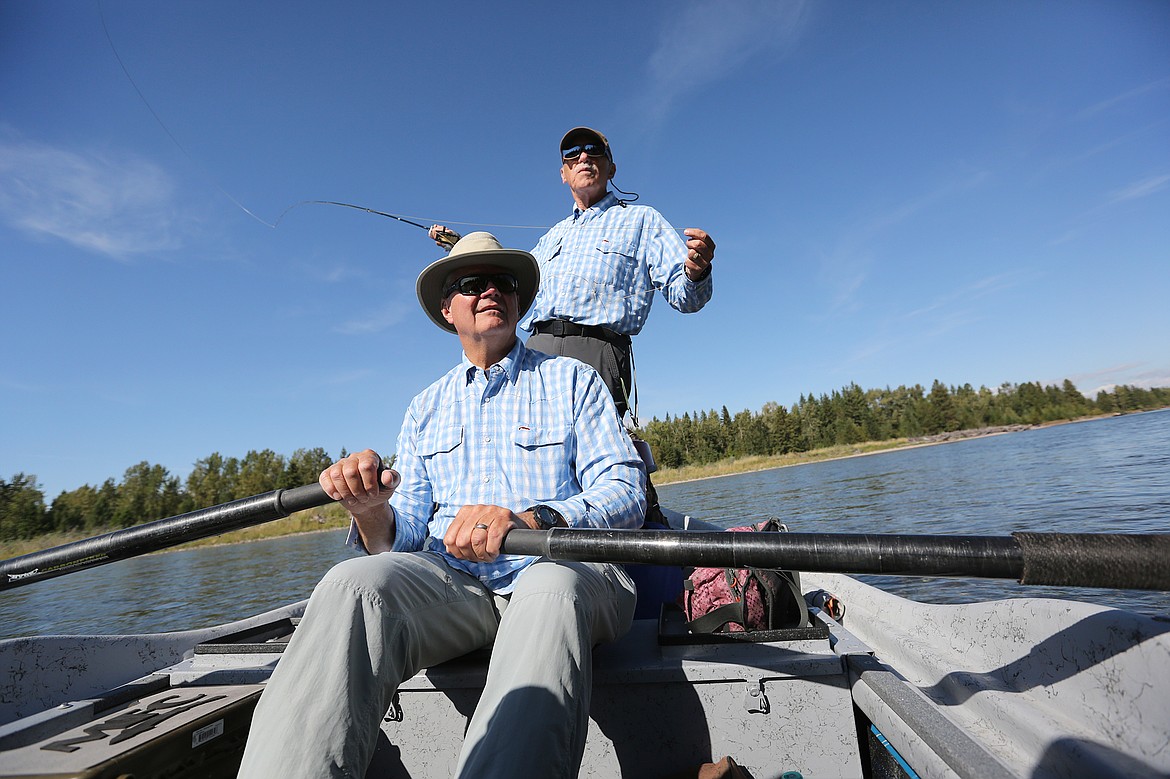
[[736, 465]]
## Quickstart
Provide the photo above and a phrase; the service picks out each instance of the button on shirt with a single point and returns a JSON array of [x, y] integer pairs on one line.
[[602, 265], [530, 429]]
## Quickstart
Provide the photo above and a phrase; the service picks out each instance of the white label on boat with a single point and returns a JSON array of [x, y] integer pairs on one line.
[[203, 735]]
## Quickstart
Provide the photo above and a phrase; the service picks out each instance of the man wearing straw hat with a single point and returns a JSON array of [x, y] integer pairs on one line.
[[509, 438]]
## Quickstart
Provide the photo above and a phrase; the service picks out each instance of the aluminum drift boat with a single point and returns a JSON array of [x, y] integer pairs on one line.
[[1016, 688]]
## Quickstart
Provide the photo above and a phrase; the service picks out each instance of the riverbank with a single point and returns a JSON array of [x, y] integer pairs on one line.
[[333, 517]]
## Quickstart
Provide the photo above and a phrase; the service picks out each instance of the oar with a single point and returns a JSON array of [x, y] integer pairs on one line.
[[1116, 560], [160, 534], [1122, 561]]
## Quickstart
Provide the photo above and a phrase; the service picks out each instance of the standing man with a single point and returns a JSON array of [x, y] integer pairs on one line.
[[509, 438], [601, 265]]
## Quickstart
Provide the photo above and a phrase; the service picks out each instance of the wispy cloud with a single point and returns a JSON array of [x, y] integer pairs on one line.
[[1103, 106], [1140, 189], [109, 203], [703, 41], [1134, 374], [954, 310], [346, 377], [956, 298], [373, 322], [21, 386], [1147, 187], [846, 268]]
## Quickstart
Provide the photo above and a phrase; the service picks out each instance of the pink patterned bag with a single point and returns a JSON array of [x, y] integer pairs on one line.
[[734, 600]]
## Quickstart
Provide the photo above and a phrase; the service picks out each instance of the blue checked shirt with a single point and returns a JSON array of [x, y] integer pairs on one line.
[[531, 429], [601, 266]]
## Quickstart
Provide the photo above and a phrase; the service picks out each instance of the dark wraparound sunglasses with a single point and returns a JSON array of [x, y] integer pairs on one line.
[[592, 149], [478, 283]]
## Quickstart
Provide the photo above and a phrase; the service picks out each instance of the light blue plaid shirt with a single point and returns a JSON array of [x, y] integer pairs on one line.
[[531, 429], [601, 266]]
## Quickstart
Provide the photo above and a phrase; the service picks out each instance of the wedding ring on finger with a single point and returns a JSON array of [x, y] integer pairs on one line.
[[480, 526]]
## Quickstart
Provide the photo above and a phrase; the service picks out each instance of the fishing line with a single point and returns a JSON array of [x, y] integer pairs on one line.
[[162, 124], [406, 219], [410, 219], [594, 289]]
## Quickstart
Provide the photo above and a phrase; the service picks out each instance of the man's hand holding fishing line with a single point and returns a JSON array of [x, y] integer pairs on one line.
[[364, 489], [700, 253]]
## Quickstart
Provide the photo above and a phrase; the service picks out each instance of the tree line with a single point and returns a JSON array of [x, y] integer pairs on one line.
[[848, 416], [148, 492], [852, 415]]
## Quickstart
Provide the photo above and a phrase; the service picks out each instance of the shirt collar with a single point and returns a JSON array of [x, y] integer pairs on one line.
[[510, 363], [610, 200]]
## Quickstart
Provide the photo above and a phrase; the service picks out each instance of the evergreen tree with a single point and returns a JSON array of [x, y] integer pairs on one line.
[[73, 510], [22, 508], [259, 472], [941, 415], [147, 493], [212, 481], [305, 466]]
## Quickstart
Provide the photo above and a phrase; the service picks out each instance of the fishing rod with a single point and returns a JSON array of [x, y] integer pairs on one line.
[[445, 237]]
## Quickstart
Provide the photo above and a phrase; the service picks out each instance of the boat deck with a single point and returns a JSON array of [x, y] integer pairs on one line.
[[1031, 688], [661, 704]]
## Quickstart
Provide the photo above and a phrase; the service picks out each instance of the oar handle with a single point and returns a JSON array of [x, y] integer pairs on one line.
[[1141, 561], [1122, 561]]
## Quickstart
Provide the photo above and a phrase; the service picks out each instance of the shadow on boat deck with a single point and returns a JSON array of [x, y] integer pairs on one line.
[[1098, 638]]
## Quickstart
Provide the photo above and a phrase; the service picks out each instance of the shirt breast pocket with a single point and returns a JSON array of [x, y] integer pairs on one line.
[[442, 451], [617, 262], [544, 468]]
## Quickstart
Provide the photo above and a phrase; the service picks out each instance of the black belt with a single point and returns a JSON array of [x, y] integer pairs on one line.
[[562, 327]]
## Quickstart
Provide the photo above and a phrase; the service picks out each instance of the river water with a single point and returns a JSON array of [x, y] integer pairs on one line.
[[1104, 475]]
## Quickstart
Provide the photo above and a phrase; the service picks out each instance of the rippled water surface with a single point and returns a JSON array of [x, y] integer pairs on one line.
[[1107, 475]]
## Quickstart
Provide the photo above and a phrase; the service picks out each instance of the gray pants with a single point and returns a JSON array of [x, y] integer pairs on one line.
[[611, 360], [375, 621]]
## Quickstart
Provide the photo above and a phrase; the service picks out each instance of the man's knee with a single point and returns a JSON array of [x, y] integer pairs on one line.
[[364, 573], [391, 580], [591, 588]]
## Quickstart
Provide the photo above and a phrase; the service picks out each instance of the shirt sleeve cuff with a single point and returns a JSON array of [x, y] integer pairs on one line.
[[706, 274], [354, 539], [574, 513]]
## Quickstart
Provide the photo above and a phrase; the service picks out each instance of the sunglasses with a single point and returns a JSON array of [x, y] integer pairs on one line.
[[591, 149], [478, 283]]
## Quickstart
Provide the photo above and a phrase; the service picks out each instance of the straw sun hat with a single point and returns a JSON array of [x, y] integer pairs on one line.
[[471, 250]]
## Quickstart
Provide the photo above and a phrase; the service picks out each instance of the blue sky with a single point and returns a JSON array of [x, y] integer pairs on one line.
[[900, 192]]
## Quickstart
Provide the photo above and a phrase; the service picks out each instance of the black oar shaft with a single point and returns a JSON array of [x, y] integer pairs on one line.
[[992, 557], [1136, 562], [1122, 561], [160, 534]]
